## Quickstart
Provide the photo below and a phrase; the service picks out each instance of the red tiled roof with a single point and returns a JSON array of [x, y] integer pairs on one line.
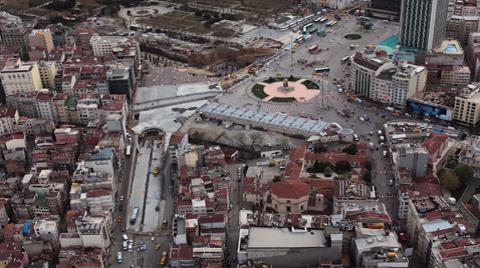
[[177, 137], [211, 218], [435, 142], [334, 157], [181, 252], [369, 215], [45, 96], [213, 230], [454, 253], [428, 188], [254, 188], [290, 189], [294, 166], [99, 192], [473, 210], [448, 245], [443, 232], [432, 215]]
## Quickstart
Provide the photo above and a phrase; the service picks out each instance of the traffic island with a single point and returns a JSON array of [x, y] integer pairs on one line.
[[285, 90]]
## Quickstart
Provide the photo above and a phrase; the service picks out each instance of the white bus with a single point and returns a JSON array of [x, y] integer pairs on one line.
[[345, 59], [308, 25], [322, 69], [323, 19], [317, 20], [331, 23], [134, 216], [307, 37], [299, 39]]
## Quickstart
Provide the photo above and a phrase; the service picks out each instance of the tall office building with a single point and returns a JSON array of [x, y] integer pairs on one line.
[[386, 9], [423, 23]]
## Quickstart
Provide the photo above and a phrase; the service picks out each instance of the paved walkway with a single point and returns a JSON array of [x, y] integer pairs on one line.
[[295, 90]]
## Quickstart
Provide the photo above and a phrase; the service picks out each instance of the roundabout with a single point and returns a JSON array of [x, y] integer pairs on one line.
[[285, 90]]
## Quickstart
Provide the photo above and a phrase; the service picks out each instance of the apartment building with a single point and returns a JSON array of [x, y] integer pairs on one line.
[[21, 77], [466, 109], [48, 71], [41, 39], [460, 27], [45, 105], [8, 120]]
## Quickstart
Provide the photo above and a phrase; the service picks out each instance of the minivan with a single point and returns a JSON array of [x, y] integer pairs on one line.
[[125, 237], [125, 245]]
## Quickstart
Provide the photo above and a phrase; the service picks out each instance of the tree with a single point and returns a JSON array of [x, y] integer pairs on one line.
[[464, 172], [319, 148], [327, 171], [342, 166], [240, 137], [368, 165], [276, 179], [316, 168], [449, 180], [24, 54], [367, 176], [351, 149], [256, 138]]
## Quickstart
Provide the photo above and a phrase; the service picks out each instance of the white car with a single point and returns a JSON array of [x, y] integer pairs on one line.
[[119, 257], [385, 153]]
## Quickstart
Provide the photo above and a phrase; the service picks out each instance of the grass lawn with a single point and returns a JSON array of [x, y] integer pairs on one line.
[[279, 79], [257, 90], [286, 100], [310, 85]]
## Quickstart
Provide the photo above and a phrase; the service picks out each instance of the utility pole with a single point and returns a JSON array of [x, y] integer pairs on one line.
[[322, 88], [291, 54]]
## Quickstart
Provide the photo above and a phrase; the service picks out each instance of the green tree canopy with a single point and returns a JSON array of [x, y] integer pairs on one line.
[[464, 172], [449, 180], [351, 149], [342, 166], [319, 148]]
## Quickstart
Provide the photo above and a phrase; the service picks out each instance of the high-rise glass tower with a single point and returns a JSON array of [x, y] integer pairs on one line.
[[423, 23]]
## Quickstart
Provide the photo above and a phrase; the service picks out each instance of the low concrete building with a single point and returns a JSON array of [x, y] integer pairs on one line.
[[284, 247], [378, 251]]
